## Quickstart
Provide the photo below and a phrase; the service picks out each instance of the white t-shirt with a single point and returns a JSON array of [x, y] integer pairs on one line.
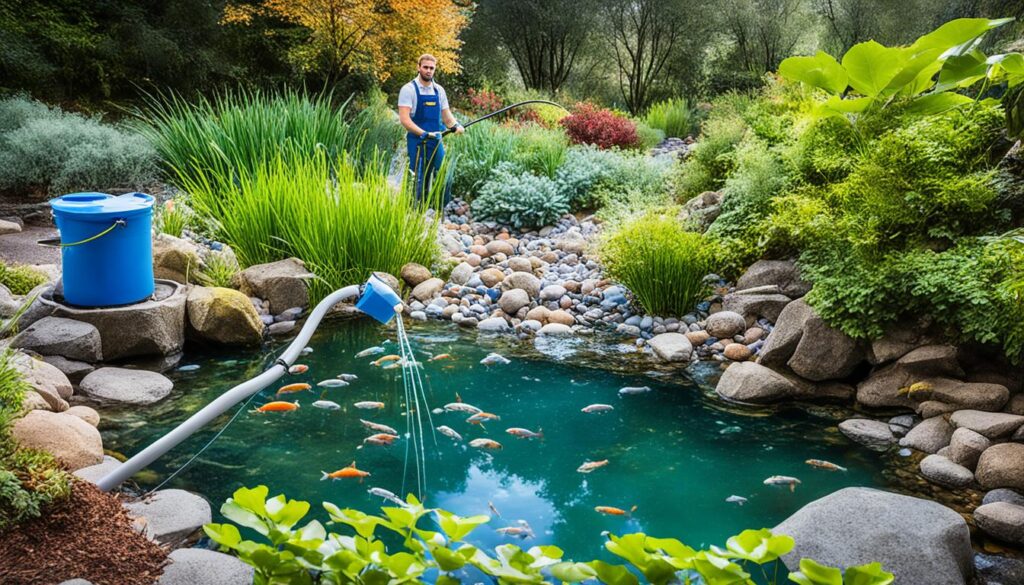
[[407, 95]]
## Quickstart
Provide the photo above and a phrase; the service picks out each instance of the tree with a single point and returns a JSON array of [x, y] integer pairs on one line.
[[365, 36], [764, 32]]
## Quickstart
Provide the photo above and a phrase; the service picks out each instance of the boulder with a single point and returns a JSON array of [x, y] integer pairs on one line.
[[671, 347], [127, 386], [998, 570], [85, 413], [283, 283], [932, 408], [702, 210], [929, 436], [752, 306], [71, 440], [1001, 466], [461, 274], [753, 383], [522, 280], [75, 371], [782, 273], [513, 300], [493, 324], [940, 470], [967, 395], [881, 388], [71, 339], [572, 242], [1003, 495], [175, 259], [917, 540], [33, 401], [561, 316], [428, 289], [966, 446], [808, 346], [8, 227], [896, 341], [736, 352], [555, 329], [35, 311], [1015, 405], [172, 516], [1001, 520], [725, 324], [873, 434], [94, 473], [413, 274], [223, 316], [197, 566], [991, 424], [49, 382], [151, 328], [784, 338]]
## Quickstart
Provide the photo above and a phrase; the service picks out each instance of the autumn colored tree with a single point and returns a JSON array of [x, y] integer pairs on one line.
[[376, 37]]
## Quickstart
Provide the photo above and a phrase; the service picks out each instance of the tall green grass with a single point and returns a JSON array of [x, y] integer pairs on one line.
[[476, 152], [246, 129], [660, 262], [673, 116], [341, 218]]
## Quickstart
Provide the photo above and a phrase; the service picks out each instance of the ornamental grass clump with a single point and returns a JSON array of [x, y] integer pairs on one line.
[[674, 117], [660, 262]]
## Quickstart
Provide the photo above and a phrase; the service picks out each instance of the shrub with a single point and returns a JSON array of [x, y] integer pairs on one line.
[[825, 152], [20, 279], [540, 150], [50, 151], [482, 101], [476, 153], [673, 117], [520, 199], [712, 159], [747, 194], [591, 178], [660, 262], [589, 124], [649, 137]]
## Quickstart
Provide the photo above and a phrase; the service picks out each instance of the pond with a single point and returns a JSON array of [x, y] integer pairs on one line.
[[675, 452]]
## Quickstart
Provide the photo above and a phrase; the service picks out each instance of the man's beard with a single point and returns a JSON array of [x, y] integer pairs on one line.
[[427, 77]]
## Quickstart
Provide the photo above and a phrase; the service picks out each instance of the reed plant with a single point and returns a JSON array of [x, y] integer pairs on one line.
[[673, 116], [341, 218], [660, 262], [476, 152]]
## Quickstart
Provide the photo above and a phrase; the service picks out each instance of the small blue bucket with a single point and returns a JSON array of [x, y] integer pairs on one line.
[[378, 300], [106, 248]]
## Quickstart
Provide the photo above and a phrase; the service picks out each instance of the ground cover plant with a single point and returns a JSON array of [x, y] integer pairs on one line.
[[19, 279], [47, 151], [310, 554]]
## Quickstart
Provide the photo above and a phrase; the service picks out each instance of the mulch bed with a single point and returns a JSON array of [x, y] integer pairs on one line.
[[90, 536]]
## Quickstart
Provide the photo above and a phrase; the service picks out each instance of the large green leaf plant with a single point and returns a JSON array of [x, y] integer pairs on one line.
[[307, 554]]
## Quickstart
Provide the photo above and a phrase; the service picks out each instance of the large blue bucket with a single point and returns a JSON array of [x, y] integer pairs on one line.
[[378, 300], [106, 248]]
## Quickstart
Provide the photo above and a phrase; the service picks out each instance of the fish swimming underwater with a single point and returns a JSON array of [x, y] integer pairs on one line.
[[827, 465], [633, 390], [345, 473], [485, 444], [332, 383], [306, 350], [387, 495], [613, 511], [377, 427], [482, 417], [783, 480], [525, 433], [383, 439], [326, 405], [298, 369], [521, 531], [736, 500], [589, 466], [495, 359], [189, 368], [440, 356], [291, 388], [278, 406], [370, 351], [493, 509], [369, 405], [383, 360], [449, 432], [462, 407], [597, 408], [348, 377]]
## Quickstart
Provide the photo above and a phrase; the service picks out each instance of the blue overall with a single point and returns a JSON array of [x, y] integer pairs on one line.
[[425, 154]]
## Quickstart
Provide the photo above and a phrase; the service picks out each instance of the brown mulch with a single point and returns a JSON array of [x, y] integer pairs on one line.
[[90, 536]]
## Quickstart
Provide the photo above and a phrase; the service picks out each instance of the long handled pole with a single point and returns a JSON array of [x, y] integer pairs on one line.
[[502, 111]]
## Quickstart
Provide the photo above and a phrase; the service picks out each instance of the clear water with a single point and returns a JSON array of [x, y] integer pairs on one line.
[[676, 452]]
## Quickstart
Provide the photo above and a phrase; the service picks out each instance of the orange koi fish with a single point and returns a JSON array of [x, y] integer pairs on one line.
[[480, 417], [525, 433], [298, 369], [381, 439], [827, 465], [299, 387], [346, 472], [369, 405], [485, 444], [612, 511], [277, 407], [385, 359], [440, 356]]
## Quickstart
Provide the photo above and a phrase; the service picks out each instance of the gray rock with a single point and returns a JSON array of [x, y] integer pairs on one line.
[[998, 570], [966, 446], [991, 424], [752, 306], [281, 327], [35, 311], [572, 242], [75, 371], [881, 388], [929, 436], [127, 386], [418, 316], [71, 339], [782, 273], [1002, 466], [807, 345], [873, 434], [917, 540], [552, 292], [671, 347], [942, 471], [196, 566], [968, 395], [493, 324], [1003, 495], [428, 289], [512, 300], [784, 338], [555, 329], [1001, 520], [461, 274], [524, 281], [94, 473], [284, 283], [76, 582], [725, 324], [753, 383], [8, 227], [702, 210], [49, 382], [175, 259], [897, 341], [933, 408], [172, 516]]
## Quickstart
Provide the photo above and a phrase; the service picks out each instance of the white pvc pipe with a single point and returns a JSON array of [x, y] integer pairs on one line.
[[227, 400]]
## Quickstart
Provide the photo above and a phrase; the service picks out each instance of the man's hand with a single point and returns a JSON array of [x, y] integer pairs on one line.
[[434, 135], [459, 129]]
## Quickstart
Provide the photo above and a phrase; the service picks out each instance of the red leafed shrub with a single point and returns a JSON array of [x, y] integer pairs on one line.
[[483, 101], [589, 124]]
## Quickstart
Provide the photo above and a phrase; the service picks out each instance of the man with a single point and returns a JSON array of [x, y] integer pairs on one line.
[[423, 111]]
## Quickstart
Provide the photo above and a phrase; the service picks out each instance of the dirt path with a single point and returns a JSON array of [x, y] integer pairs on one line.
[[21, 248]]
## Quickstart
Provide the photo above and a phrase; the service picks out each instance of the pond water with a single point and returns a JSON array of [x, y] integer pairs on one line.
[[675, 452]]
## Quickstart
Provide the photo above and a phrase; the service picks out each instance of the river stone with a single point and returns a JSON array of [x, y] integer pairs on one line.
[[94, 473], [85, 413], [413, 274], [71, 440], [32, 400], [1002, 466], [991, 424], [697, 337], [725, 324], [998, 570], [428, 289], [966, 446], [283, 283], [513, 300], [919, 541], [127, 386], [752, 306], [933, 408], [671, 347], [224, 316], [1003, 495], [784, 338], [968, 395], [49, 382], [929, 436], [520, 264], [552, 292], [197, 566], [940, 470], [572, 242], [555, 329], [500, 247], [151, 328], [873, 434], [782, 273], [753, 383], [493, 324], [175, 259], [75, 371], [172, 516], [1002, 520], [737, 352], [71, 339], [881, 388], [522, 280], [461, 274], [9, 227], [561, 316]]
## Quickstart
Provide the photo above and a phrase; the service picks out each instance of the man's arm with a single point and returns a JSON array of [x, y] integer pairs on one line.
[[406, 120], [449, 120]]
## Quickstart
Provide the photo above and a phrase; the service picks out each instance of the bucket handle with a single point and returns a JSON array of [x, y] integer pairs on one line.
[[56, 243]]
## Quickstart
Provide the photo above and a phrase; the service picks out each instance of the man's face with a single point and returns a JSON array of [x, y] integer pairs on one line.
[[427, 70]]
